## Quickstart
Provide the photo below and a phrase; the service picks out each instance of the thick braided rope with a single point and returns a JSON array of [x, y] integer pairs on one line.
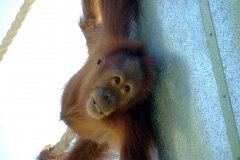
[[69, 135], [64, 142], [15, 26]]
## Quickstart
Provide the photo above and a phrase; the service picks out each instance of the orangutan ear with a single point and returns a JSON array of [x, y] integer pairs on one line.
[[100, 60]]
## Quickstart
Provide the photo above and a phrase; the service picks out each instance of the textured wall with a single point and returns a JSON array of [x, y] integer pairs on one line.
[[196, 104]]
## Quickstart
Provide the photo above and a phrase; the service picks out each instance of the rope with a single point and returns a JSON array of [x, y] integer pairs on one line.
[[64, 142], [69, 135], [15, 26]]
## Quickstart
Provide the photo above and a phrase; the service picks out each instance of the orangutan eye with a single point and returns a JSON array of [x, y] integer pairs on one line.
[[116, 80], [126, 88]]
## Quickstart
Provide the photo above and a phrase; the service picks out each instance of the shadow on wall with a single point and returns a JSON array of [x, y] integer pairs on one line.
[[178, 134], [171, 109]]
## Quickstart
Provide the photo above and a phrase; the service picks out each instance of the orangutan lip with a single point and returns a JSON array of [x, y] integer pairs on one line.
[[96, 106]]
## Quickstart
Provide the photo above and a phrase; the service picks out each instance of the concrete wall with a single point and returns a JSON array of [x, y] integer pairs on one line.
[[195, 105]]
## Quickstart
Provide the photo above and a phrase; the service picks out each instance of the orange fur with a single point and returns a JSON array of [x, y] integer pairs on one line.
[[107, 27]]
